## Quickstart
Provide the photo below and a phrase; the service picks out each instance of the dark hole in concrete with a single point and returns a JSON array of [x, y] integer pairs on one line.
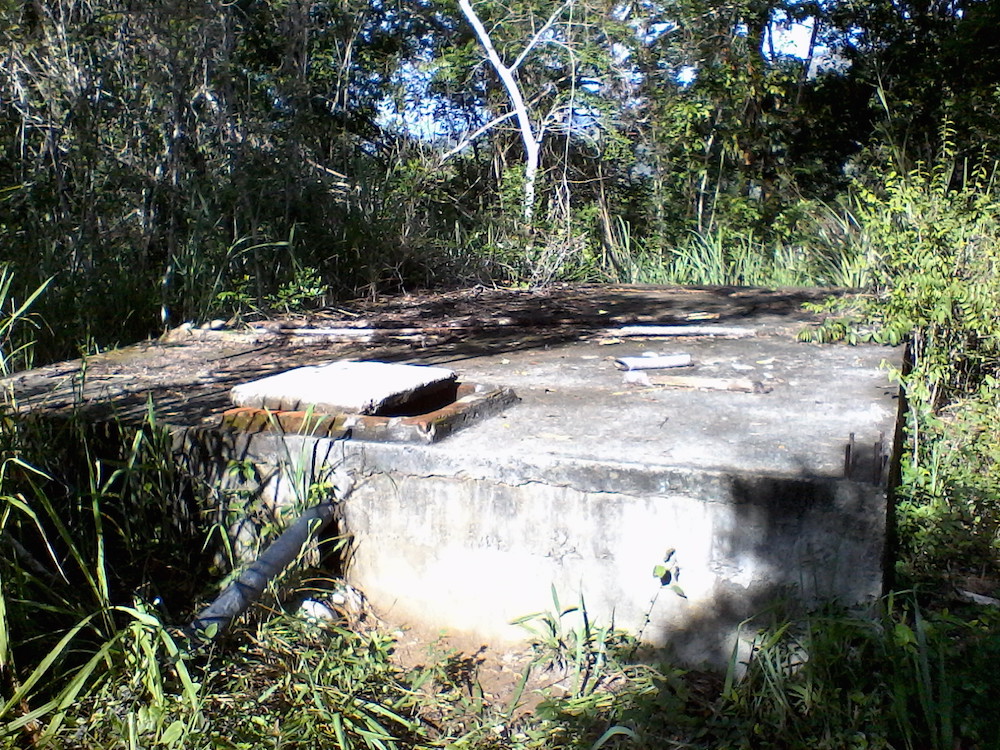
[[425, 402]]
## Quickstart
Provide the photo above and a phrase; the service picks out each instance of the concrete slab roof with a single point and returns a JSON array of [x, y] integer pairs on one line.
[[557, 349]]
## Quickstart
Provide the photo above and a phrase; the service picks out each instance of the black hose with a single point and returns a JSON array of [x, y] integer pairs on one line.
[[246, 589]]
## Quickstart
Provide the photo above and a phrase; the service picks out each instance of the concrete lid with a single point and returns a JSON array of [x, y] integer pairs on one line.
[[343, 386], [577, 406]]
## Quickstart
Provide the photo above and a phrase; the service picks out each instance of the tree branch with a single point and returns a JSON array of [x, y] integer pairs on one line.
[[538, 35], [476, 133], [532, 144], [506, 74]]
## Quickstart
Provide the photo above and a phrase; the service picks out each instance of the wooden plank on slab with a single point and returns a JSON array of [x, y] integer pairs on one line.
[[742, 385]]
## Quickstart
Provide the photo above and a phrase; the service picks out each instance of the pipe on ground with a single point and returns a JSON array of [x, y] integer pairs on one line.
[[246, 589]]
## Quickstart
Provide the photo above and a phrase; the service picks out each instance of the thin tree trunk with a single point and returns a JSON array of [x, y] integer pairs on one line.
[[532, 151], [532, 140]]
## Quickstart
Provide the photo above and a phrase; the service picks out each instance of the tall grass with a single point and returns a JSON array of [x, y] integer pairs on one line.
[[87, 549], [826, 251], [107, 557], [834, 681], [930, 238], [15, 342]]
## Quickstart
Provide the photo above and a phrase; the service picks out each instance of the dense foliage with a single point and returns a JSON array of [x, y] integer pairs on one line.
[[176, 161], [190, 159]]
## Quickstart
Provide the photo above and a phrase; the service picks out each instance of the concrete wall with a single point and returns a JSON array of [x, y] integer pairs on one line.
[[471, 555], [467, 544]]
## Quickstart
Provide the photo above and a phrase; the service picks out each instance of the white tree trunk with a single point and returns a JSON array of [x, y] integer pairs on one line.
[[530, 136], [532, 150]]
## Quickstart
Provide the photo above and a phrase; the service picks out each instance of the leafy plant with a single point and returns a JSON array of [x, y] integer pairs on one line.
[[80, 547], [934, 241], [314, 687], [303, 291], [567, 639]]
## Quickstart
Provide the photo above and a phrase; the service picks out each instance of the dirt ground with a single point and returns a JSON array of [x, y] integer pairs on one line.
[[496, 677]]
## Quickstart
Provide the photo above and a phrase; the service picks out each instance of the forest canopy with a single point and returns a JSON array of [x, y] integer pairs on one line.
[[186, 159]]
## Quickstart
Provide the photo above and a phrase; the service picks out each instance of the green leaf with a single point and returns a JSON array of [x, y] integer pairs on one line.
[[173, 733], [614, 731], [903, 634]]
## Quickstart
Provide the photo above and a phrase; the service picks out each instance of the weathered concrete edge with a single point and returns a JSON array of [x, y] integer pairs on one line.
[[850, 501], [472, 402], [760, 516], [469, 556], [585, 475]]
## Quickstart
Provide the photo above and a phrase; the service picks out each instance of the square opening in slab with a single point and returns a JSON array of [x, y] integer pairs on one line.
[[424, 402], [430, 417]]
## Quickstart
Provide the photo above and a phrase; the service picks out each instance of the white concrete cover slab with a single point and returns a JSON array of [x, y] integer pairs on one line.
[[342, 386]]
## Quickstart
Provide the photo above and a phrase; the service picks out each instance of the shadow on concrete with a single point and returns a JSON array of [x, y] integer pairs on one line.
[[815, 538], [769, 515], [188, 381], [187, 384]]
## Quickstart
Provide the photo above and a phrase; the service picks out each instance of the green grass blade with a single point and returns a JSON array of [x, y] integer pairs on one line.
[[338, 731], [70, 541], [4, 635], [616, 731], [44, 665], [69, 694]]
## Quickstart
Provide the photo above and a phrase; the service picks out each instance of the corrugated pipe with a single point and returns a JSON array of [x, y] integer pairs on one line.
[[246, 589]]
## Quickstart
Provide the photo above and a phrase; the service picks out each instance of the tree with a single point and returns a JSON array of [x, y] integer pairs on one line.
[[532, 129]]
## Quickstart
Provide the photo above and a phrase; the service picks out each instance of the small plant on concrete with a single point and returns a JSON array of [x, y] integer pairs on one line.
[[668, 572]]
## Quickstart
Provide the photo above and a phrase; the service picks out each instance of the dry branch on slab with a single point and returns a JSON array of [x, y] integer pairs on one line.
[[732, 332], [702, 383]]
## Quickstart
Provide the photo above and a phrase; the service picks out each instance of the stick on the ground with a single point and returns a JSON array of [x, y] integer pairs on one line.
[[732, 332], [743, 385]]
